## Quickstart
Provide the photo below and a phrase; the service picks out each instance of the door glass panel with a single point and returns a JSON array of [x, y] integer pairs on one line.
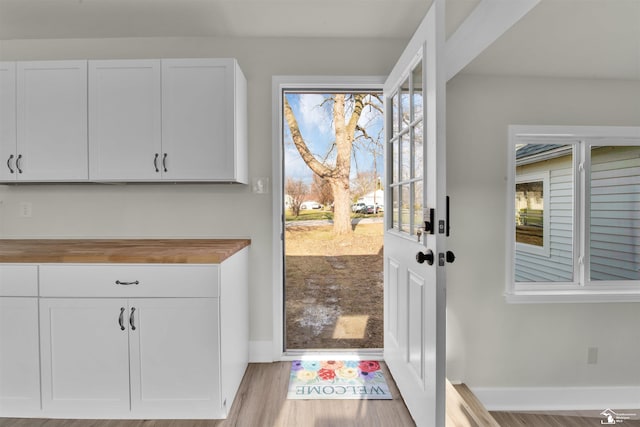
[[417, 206], [395, 159], [614, 232], [405, 204], [544, 213], [405, 158], [405, 100], [395, 114], [417, 92], [406, 154], [395, 202], [418, 149]]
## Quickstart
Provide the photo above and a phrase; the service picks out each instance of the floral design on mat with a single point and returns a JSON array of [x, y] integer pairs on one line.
[[337, 379]]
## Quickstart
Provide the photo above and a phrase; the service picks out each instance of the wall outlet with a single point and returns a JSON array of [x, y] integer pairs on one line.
[[26, 209], [592, 355]]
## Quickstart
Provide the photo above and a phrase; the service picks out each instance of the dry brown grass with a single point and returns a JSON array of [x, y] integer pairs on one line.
[[334, 287]]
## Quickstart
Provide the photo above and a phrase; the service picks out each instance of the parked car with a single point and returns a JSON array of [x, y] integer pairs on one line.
[[359, 207], [310, 205], [373, 209]]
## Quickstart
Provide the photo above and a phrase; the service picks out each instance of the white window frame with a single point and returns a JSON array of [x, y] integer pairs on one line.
[[581, 289]]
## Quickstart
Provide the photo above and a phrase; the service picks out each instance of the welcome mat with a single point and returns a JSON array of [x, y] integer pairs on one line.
[[337, 379]]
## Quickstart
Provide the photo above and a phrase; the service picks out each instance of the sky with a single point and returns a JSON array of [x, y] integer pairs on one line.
[[316, 125]]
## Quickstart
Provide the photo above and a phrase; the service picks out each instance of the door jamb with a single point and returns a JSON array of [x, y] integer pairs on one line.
[[280, 83]]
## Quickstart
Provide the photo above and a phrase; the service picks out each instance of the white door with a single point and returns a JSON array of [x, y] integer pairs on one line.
[[174, 357], [124, 120], [85, 357], [415, 229], [52, 121]]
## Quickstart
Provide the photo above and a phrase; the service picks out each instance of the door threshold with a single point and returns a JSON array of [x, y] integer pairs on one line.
[[334, 354]]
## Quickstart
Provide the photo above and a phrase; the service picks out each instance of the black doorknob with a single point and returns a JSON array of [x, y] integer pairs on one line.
[[421, 257]]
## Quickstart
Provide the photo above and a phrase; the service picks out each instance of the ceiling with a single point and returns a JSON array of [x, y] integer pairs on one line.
[[560, 38]]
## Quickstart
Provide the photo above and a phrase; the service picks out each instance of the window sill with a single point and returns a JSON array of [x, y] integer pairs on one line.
[[572, 296]]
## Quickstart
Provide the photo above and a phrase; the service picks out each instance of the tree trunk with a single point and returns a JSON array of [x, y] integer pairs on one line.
[[341, 206]]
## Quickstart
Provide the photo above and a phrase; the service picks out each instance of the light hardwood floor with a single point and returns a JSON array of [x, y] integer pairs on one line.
[[262, 402]]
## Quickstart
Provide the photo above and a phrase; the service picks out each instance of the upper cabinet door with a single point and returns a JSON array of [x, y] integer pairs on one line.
[[203, 120], [124, 120], [52, 121], [7, 121]]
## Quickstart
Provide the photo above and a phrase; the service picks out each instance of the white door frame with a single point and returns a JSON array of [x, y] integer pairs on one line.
[[280, 83]]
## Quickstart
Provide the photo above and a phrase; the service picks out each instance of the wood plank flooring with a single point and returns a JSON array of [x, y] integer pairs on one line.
[[262, 402]]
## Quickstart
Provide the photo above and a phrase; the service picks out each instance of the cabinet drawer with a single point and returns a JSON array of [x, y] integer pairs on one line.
[[99, 280], [18, 280]]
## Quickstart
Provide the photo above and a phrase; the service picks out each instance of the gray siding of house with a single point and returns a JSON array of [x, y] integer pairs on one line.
[[558, 267], [615, 219]]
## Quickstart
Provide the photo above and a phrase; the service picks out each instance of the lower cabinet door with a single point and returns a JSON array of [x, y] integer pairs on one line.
[[175, 358], [85, 358], [19, 357]]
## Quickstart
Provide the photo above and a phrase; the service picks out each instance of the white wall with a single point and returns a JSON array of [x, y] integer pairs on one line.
[[203, 210], [492, 343]]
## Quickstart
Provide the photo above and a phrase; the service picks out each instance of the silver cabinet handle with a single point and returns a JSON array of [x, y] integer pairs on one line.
[[121, 319], [164, 162], [18, 163], [155, 162], [132, 319], [118, 282], [9, 164]]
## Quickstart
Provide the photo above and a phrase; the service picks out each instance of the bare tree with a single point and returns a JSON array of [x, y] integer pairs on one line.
[[335, 166], [297, 191], [322, 190], [363, 183]]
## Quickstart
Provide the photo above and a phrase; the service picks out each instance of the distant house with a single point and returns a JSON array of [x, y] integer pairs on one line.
[[373, 198], [544, 212]]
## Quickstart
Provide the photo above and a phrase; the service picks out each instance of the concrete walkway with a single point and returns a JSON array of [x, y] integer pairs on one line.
[[317, 222]]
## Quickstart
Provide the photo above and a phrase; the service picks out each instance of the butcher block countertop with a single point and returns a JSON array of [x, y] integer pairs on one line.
[[125, 251]]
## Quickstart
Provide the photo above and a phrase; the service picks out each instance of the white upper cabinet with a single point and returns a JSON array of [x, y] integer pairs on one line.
[[124, 120], [51, 121], [7, 121], [204, 120]]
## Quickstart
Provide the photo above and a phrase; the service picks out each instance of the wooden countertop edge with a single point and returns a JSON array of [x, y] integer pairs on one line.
[[120, 251]]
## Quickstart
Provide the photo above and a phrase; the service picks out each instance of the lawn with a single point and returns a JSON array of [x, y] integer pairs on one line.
[[334, 287]]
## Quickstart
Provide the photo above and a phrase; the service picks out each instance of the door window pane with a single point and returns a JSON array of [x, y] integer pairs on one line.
[[417, 92], [418, 151], [395, 203], [405, 99], [615, 213], [405, 207]]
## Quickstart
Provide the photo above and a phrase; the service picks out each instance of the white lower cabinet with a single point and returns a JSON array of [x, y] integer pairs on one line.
[[19, 341], [139, 358], [85, 357], [19, 362], [175, 358]]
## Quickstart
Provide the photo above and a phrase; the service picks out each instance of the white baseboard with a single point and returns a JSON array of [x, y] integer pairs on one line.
[[260, 351], [557, 398]]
